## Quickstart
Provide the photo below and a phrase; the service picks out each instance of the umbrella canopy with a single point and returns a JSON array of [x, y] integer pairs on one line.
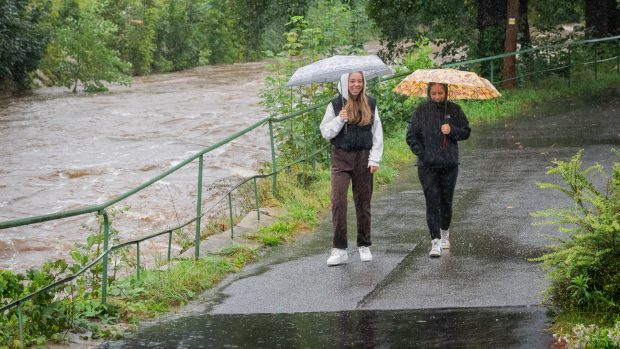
[[461, 84], [330, 69]]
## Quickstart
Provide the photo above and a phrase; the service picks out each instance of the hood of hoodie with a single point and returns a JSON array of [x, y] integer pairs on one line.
[[343, 85]]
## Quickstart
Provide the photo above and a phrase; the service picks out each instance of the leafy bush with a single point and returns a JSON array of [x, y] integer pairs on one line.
[[44, 316], [583, 265], [596, 337], [80, 53], [23, 38]]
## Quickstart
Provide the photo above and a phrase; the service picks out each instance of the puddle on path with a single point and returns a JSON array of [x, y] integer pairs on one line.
[[508, 327]]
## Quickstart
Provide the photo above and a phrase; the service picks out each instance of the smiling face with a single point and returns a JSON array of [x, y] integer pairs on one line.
[[437, 92], [356, 84]]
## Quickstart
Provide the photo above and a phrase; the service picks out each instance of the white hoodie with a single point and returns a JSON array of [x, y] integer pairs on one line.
[[332, 124]]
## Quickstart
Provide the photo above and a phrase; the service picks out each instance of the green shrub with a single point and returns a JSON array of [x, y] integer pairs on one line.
[[583, 264], [593, 336]]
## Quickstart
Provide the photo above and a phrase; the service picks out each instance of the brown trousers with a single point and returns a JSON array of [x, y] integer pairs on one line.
[[351, 166]]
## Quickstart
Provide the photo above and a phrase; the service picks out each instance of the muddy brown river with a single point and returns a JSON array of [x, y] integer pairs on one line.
[[61, 151]]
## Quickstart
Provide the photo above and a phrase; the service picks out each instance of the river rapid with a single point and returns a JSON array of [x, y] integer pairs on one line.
[[61, 151]]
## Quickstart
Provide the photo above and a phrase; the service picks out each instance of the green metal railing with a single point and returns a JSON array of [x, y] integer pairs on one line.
[[566, 56]]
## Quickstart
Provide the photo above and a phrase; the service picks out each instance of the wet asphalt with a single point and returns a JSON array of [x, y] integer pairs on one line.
[[484, 292]]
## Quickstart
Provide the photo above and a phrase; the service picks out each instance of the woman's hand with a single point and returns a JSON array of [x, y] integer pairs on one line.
[[343, 115], [445, 129], [373, 169]]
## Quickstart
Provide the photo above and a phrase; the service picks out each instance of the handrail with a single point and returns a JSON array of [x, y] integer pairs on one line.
[[299, 112], [531, 49]]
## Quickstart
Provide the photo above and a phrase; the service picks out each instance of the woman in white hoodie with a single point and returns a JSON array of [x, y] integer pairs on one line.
[[351, 123]]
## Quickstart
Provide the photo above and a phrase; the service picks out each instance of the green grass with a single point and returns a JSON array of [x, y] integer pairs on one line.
[[158, 291]]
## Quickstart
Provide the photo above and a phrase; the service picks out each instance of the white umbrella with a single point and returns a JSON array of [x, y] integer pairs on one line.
[[330, 69]]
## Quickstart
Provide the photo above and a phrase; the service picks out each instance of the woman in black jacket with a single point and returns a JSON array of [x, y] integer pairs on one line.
[[432, 135]]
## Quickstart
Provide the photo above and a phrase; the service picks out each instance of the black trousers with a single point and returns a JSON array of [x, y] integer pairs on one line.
[[351, 167], [438, 185]]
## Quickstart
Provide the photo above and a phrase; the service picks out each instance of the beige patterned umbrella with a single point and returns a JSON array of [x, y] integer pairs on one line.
[[461, 84]]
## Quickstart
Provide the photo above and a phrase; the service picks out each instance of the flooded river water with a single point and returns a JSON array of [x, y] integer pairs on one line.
[[61, 151]]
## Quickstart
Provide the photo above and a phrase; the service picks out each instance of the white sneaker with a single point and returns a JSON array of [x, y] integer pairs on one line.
[[436, 248], [445, 239], [365, 255], [337, 256]]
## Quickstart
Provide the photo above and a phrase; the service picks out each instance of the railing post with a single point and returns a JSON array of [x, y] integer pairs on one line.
[[595, 62], [106, 238], [570, 63], [618, 56], [256, 198], [21, 324], [230, 212], [169, 248], [273, 158], [491, 72], [198, 208], [314, 137], [138, 260]]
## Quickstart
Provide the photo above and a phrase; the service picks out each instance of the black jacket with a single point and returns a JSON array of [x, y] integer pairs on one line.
[[424, 135]]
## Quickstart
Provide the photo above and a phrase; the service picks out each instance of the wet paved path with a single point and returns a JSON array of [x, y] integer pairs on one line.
[[482, 293]]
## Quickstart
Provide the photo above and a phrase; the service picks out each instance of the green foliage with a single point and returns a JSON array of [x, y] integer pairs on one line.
[[302, 212], [547, 14], [67, 306], [396, 153], [23, 38], [450, 23], [80, 53], [137, 23], [89, 284], [593, 336], [178, 46], [261, 22], [223, 44], [395, 109], [239, 255], [274, 234], [158, 291], [583, 264], [45, 315], [344, 25]]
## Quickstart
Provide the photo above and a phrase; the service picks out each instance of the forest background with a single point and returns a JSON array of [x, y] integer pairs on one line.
[[82, 43]]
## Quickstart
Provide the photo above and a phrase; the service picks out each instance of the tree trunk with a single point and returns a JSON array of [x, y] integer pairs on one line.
[[613, 19], [512, 27], [491, 23], [601, 18], [524, 37]]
